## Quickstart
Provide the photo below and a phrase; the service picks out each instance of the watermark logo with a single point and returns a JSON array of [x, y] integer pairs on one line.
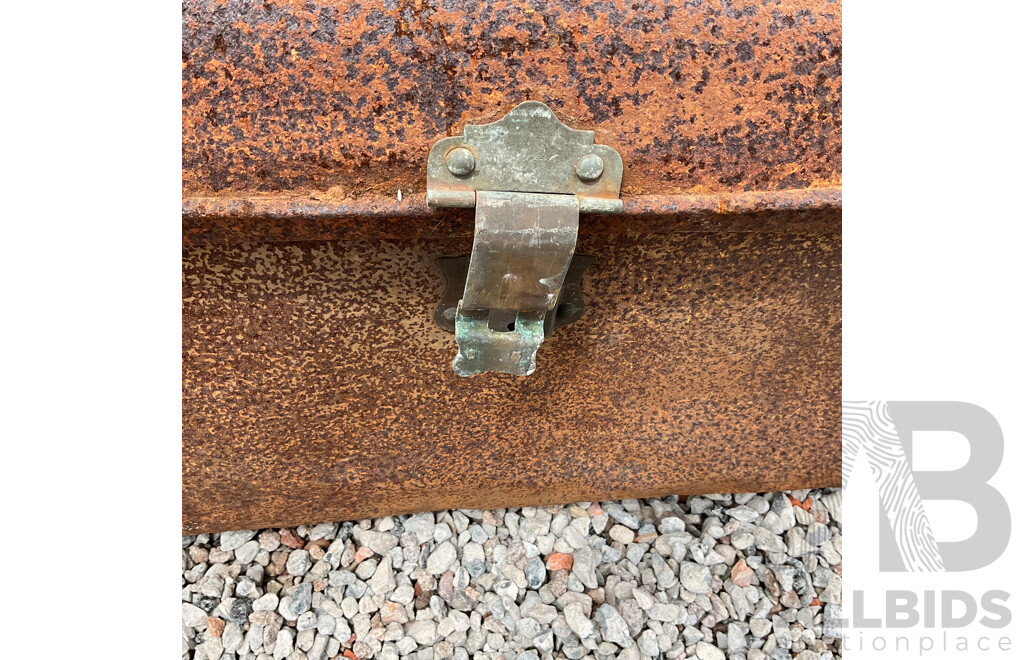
[[882, 431], [880, 434]]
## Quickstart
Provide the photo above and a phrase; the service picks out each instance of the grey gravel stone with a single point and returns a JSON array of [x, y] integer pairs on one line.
[[664, 574], [832, 624], [619, 514], [422, 525], [535, 573], [817, 534], [736, 639], [694, 577], [783, 509], [301, 600], [691, 635], [584, 567], [239, 610], [612, 627], [298, 562], [649, 578], [473, 559]]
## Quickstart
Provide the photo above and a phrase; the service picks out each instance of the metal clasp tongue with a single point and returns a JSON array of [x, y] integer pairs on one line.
[[523, 244]]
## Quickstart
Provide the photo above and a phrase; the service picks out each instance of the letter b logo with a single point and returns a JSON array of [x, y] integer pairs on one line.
[[882, 431]]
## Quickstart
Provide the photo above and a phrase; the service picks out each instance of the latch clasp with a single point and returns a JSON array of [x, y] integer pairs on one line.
[[529, 177]]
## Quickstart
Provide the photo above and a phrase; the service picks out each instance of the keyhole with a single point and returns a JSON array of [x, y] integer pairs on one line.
[[502, 320]]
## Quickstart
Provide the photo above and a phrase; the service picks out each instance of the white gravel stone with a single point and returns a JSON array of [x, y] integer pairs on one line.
[[383, 580], [284, 645], [380, 542], [622, 534], [648, 643], [707, 651], [323, 531], [266, 602], [667, 612], [694, 577], [441, 559], [423, 631], [234, 540], [247, 551], [671, 524], [538, 611], [212, 648], [578, 621], [403, 594], [192, 616], [232, 637]]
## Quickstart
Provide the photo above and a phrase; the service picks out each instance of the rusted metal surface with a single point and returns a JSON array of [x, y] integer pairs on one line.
[[317, 386], [345, 98]]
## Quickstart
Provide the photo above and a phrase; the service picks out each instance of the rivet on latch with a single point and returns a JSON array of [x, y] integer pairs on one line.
[[590, 167], [537, 176], [460, 161]]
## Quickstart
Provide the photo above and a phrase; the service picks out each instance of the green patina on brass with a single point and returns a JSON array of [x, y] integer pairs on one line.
[[483, 349]]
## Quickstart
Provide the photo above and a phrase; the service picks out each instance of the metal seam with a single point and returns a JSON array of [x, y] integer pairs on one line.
[[415, 206]]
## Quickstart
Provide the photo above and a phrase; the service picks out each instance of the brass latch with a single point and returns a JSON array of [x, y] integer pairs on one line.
[[529, 176]]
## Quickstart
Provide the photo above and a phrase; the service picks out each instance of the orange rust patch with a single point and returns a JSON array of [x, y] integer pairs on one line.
[[344, 98]]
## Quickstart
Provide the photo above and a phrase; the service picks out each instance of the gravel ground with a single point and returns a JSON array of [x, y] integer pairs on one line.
[[750, 576]]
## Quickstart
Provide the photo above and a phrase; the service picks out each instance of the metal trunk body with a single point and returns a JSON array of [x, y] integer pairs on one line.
[[317, 385]]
